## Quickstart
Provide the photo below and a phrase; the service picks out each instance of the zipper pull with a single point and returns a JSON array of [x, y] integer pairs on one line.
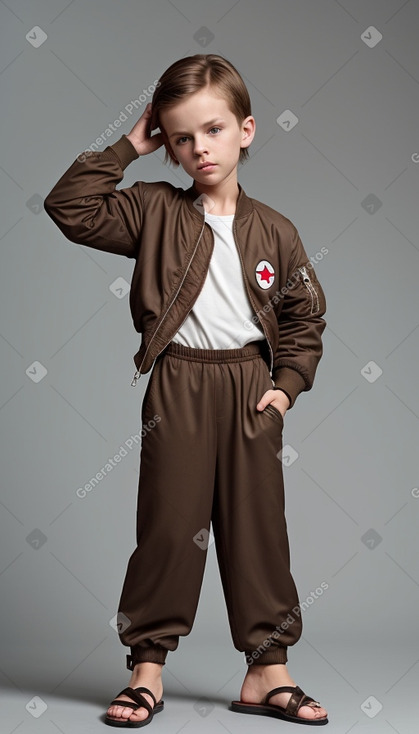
[[135, 379], [311, 289]]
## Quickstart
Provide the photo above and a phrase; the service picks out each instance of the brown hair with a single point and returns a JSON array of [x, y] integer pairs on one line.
[[189, 75]]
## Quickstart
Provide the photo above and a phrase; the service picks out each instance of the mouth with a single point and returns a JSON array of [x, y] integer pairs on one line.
[[206, 165]]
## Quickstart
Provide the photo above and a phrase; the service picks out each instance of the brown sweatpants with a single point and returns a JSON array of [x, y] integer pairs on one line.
[[208, 455]]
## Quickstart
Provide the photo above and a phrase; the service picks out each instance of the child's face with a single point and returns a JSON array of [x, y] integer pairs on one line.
[[202, 128]]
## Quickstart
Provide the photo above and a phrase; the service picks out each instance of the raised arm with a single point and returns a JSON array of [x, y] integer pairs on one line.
[[85, 204]]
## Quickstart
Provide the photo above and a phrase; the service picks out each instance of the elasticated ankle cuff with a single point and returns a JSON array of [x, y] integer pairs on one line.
[[146, 655], [268, 657]]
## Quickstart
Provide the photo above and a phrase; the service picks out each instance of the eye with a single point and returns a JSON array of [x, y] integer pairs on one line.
[[186, 137]]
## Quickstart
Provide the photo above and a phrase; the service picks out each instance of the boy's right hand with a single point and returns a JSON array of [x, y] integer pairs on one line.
[[138, 136]]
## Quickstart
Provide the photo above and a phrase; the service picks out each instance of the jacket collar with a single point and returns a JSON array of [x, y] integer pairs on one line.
[[243, 205]]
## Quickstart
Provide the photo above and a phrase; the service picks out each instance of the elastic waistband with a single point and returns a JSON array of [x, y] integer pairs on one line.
[[249, 351]]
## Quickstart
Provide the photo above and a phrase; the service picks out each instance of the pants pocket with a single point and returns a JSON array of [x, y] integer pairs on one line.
[[146, 407], [274, 413], [270, 409]]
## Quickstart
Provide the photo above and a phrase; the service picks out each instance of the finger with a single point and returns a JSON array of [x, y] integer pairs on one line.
[[262, 404]]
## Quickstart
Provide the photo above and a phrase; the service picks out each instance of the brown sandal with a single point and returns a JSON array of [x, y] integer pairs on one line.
[[140, 701], [289, 713]]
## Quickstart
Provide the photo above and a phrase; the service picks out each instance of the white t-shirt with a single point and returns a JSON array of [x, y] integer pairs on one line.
[[221, 317]]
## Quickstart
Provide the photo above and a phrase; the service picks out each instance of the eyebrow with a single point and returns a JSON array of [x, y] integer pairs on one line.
[[211, 122]]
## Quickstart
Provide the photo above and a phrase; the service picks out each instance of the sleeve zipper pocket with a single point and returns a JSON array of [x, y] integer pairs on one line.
[[315, 305]]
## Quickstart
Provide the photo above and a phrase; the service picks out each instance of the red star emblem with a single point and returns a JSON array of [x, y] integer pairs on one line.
[[265, 274]]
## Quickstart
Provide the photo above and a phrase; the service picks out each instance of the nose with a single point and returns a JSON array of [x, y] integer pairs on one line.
[[200, 145]]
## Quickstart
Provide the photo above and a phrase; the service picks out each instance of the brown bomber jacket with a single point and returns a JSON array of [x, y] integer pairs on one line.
[[163, 228]]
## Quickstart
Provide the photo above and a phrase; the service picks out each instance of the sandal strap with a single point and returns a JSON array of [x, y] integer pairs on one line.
[[146, 690], [279, 689], [297, 699], [140, 701]]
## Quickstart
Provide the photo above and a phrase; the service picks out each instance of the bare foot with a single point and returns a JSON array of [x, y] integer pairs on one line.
[[144, 674], [260, 679]]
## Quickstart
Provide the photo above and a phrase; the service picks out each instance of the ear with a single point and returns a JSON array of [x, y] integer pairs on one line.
[[248, 128]]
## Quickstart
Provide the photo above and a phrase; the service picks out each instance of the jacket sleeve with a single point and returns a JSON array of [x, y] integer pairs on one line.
[[301, 325], [89, 211]]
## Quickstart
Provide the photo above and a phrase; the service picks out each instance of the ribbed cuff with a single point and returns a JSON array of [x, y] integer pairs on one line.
[[274, 655], [290, 381], [124, 150], [155, 654]]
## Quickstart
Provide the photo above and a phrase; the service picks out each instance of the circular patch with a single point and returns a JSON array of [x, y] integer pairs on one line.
[[265, 274]]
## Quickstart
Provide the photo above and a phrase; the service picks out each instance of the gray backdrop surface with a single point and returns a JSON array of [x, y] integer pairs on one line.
[[334, 90]]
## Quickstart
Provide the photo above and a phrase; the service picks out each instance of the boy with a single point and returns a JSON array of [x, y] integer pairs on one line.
[[230, 311]]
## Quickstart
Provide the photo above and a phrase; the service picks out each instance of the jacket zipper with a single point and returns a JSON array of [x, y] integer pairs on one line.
[[251, 301], [137, 373], [311, 289], [180, 325]]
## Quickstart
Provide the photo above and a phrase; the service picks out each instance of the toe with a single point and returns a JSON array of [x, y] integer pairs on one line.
[[312, 712], [119, 712], [139, 714], [126, 712]]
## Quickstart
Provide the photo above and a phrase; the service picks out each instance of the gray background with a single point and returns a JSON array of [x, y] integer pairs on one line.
[[351, 496]]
